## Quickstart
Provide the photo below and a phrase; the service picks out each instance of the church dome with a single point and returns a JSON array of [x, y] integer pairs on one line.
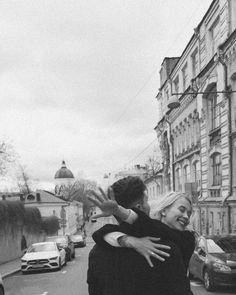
[[64, 172]]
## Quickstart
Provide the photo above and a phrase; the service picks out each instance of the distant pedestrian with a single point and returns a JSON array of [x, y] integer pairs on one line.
[[23, 244]]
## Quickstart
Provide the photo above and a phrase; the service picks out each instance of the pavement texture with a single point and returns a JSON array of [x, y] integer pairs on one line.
[[10, 267]]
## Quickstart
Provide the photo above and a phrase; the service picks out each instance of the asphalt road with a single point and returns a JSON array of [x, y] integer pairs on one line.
[[71, 279]]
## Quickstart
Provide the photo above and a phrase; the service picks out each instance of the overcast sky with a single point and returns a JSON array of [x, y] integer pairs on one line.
[[78, 79]]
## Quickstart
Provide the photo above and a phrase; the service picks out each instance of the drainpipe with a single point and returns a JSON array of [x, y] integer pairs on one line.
[[228, 96], [172, 164]]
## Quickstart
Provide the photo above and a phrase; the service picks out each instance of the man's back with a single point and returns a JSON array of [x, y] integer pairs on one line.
[[119, 271]]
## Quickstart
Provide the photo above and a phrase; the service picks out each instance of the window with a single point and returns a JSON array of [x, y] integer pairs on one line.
[[211, 227], [214, 107], [186, 173], [178, 179], [167, 94], [216, 169], [194, 63], [185, 77], [176, 85], [214, 36], [197, 173]]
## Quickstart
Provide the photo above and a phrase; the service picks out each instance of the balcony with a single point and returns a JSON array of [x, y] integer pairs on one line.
[[215, 192]]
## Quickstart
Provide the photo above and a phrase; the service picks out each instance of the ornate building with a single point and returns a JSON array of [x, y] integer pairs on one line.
[[197, 126], [63, 178]]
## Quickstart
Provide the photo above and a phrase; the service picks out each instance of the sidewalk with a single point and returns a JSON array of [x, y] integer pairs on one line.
[[10, 267]]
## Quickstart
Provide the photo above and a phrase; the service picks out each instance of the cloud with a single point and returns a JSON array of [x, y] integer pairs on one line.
[[78, 79]]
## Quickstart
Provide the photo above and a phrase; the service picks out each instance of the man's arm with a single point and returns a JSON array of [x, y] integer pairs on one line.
[[98, 235], [95, 283]]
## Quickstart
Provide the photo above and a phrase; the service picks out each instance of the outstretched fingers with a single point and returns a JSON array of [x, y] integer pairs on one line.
[[97, 196], [103, 194], [111, 194], [94, 201], [99, 215], [149, 260], [160, 246]]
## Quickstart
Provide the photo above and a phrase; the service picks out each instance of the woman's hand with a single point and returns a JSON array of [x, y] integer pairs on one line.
[[146, 246], [106, 203]]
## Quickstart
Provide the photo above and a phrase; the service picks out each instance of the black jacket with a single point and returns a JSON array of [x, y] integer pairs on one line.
[[120, 271]]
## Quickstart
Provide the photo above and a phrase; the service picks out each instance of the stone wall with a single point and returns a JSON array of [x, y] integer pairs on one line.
[[11, 242]]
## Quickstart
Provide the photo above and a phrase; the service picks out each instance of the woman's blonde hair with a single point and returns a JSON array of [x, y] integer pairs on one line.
[[159, 205]]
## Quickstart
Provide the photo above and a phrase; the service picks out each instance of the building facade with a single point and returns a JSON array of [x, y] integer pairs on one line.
[[50, 205], [197, 127]]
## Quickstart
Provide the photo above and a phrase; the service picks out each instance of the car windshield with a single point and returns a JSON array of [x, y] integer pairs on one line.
[[222, 245], [59, 240], [42, 248]]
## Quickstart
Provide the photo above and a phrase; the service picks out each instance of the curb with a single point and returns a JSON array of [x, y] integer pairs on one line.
[[8, 274]]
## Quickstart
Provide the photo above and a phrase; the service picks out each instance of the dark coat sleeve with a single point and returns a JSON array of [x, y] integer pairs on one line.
[[125, 228], [95, 284]]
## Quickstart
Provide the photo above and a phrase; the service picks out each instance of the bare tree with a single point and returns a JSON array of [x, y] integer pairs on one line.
[[79, 191], [7, 157], [23, 180], [154, 165]]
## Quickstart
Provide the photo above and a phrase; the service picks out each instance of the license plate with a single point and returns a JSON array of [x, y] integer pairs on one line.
[[37, 265]]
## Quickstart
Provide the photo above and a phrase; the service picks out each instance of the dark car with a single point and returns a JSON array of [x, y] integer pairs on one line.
[[214, 261], [66, 243], [78, 240]]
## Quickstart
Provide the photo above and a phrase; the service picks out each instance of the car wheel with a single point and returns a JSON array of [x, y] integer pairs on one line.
[[73, 256], [59, 267], [69, 255], [208, 282]]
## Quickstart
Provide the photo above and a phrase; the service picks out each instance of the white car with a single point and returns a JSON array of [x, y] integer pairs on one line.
[[1, 286], [40, 256]]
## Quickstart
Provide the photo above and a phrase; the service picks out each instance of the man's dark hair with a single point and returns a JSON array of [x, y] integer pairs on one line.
[[128, 190]]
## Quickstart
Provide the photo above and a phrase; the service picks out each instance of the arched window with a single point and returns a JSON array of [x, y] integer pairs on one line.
[[214, 110], [186, 173], [216, 169], [178, 179], [197, 173]]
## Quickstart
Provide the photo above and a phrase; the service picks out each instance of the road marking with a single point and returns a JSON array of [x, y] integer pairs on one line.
[[64, 271]]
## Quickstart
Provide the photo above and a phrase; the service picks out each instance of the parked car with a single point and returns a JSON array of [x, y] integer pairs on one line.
[[2, 292], [46, 255], [78, 240], [214, 260], [66, 243]]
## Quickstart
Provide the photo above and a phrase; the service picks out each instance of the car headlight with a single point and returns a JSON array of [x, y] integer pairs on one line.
[[221, 266], [53, 258], [22, 260]]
